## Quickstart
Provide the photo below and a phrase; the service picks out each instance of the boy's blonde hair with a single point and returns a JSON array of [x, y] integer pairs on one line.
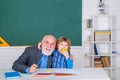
[[64, 39]]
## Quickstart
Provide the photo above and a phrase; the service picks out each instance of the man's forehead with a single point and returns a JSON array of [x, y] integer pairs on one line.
[[50, 38]]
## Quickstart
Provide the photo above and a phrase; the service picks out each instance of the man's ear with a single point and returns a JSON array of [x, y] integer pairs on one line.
[[39, 45]]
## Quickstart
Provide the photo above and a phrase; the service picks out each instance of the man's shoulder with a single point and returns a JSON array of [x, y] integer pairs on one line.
[[32, 48]]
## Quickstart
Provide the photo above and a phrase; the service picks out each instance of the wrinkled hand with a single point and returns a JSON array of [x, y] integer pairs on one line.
[[33, 68]]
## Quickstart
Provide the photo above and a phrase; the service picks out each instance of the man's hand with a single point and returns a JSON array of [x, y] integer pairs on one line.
[[33, 68]]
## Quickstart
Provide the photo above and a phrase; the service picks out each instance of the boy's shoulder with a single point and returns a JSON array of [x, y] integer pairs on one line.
[[55, 52]]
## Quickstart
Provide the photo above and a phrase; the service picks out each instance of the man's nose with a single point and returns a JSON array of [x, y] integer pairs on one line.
[[49, 45]]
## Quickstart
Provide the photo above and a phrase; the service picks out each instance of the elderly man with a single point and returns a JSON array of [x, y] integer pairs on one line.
[[34, 57]]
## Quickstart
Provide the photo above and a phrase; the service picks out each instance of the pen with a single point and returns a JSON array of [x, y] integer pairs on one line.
[[39, 62]]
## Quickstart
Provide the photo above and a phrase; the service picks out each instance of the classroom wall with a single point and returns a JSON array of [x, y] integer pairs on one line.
[[9, 54], [89, 8]]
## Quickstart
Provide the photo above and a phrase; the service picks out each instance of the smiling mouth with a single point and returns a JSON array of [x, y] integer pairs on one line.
[[48, 49]]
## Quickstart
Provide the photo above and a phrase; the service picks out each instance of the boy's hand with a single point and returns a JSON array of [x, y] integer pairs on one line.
[[65, 52]]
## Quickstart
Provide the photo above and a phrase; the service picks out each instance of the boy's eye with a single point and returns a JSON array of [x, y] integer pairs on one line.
[[61, 44]]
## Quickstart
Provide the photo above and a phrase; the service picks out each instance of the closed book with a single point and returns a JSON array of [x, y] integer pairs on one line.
[[98, 65], [95, 49], [12, 75], [103, 61], [107, 62], [102, 36], [97, 62]]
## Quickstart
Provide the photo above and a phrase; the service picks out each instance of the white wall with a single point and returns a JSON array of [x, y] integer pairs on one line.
[[89, 8], [9, 54]]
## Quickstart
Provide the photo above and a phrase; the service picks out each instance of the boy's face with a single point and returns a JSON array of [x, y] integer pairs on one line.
[[62, 45]]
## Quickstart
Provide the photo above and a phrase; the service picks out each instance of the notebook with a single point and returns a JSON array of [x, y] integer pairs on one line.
[[12, 75]]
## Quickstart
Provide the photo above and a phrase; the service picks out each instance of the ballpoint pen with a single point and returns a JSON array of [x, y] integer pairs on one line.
[[38, 62]]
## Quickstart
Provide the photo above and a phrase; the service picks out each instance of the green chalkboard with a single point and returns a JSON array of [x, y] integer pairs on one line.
[[25, 22]]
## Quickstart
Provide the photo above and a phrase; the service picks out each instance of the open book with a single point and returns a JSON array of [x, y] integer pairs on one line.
[[53, 72]]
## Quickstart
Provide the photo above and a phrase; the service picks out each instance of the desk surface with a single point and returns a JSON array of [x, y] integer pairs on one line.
[[80, 74]]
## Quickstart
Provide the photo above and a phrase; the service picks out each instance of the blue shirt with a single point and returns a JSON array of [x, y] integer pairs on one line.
[[59, 61], [44, 60]]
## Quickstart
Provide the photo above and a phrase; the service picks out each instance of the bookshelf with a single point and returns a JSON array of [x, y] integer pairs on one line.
[[111, 8], [100, 42]]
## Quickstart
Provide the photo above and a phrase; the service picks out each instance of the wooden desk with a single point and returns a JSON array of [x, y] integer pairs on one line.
[[80, 74]]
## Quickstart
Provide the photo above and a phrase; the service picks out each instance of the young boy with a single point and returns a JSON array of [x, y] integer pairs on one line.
[[61, 55]]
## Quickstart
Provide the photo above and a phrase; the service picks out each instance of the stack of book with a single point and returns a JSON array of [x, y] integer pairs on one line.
[[102, 62], [98, 63], [102, 36], [106, 61]]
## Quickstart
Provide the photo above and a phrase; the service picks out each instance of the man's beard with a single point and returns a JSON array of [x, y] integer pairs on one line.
[[47, 53]]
